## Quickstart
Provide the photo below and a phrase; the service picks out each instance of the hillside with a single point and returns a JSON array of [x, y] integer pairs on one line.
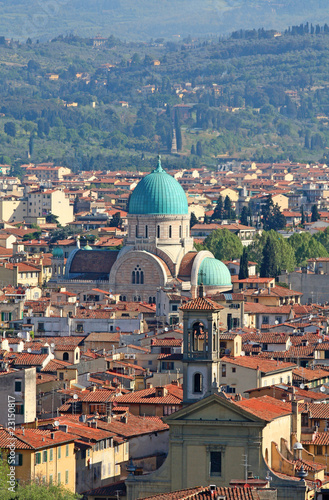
[[143, 19]]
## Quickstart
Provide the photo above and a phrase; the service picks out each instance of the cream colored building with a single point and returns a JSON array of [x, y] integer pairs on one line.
[[13, 209], [52, 201]]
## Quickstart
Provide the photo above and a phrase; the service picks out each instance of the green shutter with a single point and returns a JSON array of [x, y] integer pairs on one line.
[[2, 316], [20, 459]]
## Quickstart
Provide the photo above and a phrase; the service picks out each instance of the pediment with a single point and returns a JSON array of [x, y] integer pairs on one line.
[[214, 408]]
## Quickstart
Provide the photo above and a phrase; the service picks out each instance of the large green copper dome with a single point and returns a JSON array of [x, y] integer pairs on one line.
[[158, 193], [213, 272]]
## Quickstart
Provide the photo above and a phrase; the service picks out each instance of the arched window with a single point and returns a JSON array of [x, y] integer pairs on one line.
[[170, 231], [200, 336], [146, 232], [197, 382], [59, 270], [180, 231], [158, 231], [137, 298], [137, 276], [151, 300], [55, 269], [136, 231], [65, 356], [122, 298]]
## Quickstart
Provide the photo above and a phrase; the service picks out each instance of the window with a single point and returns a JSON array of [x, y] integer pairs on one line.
[[18, 459], [66, 477], [18, 385], [61, 376], [19, 409], [233, 370], [223, 370], [146, 232], [51, 479], [65, 356], [180, 231], [59, 452], [136, 231], [59, 478], [41, 327], [197, 383], [80, 327], [51, 455], [67, 450], [44, 456], [170, 231], [138, 276], [265, 320], [278, 319], [37, 458], [236, 322], [174, 307], [215, 463], [158, 231], [167, 365]]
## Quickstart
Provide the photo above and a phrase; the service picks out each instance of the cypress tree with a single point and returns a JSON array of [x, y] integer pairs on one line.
[[244, 272], [244, 216], [268, 268], [315, 214]]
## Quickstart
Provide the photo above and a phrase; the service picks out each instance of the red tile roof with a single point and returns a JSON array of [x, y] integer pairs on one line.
[[201, 304], [254, 363], [204, 493], [265, 407]]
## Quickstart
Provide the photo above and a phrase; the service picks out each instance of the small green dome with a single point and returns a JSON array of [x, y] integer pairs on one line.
[[87, 247], [57, 252], [158, 193], [213, 272]]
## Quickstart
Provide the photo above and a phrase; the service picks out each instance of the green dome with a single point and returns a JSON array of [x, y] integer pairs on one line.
[[57, 252], [158, 193], [87, 247], [213, 272]]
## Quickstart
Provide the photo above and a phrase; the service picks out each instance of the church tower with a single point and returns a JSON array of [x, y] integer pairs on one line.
[[201, 319]]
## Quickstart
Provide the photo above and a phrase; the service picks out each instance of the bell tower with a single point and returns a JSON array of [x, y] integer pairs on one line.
[[201, 356]]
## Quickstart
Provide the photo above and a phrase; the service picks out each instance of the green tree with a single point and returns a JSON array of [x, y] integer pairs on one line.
[[306, 247], [244, 216], [116, 220], [10, 129], [244, 272], [284, 253], [224, 244], [315, 214], [199, 149], [269, 267], [193, 220], [219, 209], [178, 132], [302, 216]]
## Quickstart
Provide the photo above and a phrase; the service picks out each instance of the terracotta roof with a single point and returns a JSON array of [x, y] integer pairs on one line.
[[186, 264], [133, 425], [204, 493], [265, 407], [317, 410], [254, 363], [54, 365], [34, 439], [100, 395], [318, 438], [201, 304], [308, 374], [148, 396], [167, 342], [28, 359]]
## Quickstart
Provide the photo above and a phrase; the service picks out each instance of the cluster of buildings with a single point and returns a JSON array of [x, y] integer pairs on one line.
[[142, 368]]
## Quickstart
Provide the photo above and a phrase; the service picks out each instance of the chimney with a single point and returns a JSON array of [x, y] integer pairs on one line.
[[52, 435]]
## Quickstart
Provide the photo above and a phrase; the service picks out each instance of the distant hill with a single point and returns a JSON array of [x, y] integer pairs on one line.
[[143, 19]]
